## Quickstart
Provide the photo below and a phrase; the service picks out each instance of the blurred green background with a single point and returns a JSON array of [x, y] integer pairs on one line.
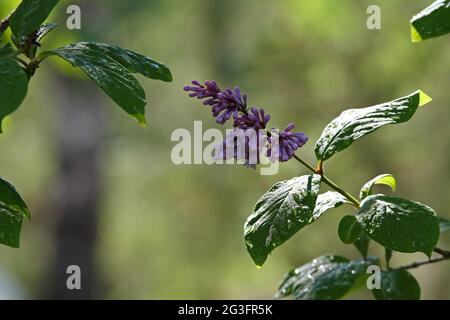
[[161, 231]]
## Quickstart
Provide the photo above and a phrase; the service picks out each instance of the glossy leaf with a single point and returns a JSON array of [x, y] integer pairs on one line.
[[13, 87], [324, 278], [326, 201], [386, 179], [134, 62], [7, 50], [362, 244], [108, 74], [29, 16], [354, 124], [12, 211], [286, 208], [397, 285], [399, 224], [444, 224], [433, 21], [44, 30], [349, 229]]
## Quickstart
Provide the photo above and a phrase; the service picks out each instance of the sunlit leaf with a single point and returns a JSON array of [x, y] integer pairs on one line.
[[353, 124], [324, 278], [286, 208], [433, 21], [399, 224], [108, 74], [386, 179], [326, 201]]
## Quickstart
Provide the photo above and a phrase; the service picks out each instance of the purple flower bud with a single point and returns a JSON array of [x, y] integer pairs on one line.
[[231, 103], [255, 119], [284, 144], [225, 104]]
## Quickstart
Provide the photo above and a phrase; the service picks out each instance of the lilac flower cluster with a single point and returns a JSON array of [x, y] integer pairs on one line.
[[287, 143], [225, 104], [231, 103]]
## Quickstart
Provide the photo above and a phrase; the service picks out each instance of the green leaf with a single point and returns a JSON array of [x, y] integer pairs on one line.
[[324, 278], [399, 224], [444, 224], [397, 285], [349, 229], [362, 244], [134, 62], [386, 179], [12, 211], [108, 74], [10, 226], [434, 21], [10, 198], [44, 30], [354, 124], [285, 209], [13, 87], [29, 16], [7, 50], [326, 201]]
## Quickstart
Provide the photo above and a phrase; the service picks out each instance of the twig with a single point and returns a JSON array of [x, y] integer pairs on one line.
[[330, 183], [445, 255], [4, 24]]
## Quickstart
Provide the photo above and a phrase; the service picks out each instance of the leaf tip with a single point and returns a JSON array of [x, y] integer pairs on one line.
[[415, 35], [140, 118], [424, 98]]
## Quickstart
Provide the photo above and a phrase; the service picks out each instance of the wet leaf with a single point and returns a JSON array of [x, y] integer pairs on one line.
[[134, 62], [349, 229], [362, 244], [108, 74], [354, 124], [286, 208], [44, 30], [7, 50], [12, 211], [13, 87], [29, 16], [399, 224], [433, 21], [397, 285], [326, 201], [324, 278]]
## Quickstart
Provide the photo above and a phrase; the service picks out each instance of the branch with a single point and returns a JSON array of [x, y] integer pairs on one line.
[[330, 183], [4, 24], [445, 255]]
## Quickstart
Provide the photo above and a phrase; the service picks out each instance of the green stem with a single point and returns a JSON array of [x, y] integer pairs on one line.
[[22, 62], [330, 183]]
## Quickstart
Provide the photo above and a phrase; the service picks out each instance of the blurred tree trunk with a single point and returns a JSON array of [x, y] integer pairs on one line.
[[77, 190]]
